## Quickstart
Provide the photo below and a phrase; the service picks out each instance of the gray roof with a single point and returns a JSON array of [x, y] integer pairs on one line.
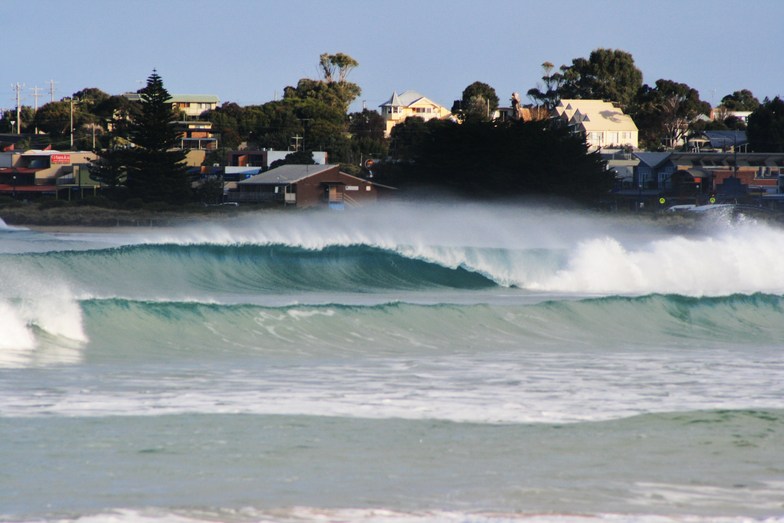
[[404, 99], [285, 174], [652, 159], [721, 139]]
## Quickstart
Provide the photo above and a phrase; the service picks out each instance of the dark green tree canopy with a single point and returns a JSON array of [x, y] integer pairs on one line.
[[335, 94], [766, 127], [742, 100], [608, 74], [478, 102], [497, 160], [664, 113], [54, 118], [367, 135], [156, 169], [153, 129], [111, 169]]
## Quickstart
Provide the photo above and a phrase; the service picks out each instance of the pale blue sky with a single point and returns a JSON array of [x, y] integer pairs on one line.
[[247, 51]]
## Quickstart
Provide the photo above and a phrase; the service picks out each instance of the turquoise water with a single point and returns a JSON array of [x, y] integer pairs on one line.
[[401, 364]]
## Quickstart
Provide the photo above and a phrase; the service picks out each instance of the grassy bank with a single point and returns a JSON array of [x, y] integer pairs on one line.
[[100, 214]]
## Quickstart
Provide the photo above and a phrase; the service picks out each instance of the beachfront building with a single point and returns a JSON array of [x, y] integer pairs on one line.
[[36, 172], [601, 123], [303, 186], [410, 103]]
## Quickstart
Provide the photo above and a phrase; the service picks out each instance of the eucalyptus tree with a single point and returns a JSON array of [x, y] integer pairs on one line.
[[743, 100], [665, 113], [607, 74]]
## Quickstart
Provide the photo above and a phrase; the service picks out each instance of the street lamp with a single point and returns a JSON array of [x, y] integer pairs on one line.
[[13, 185]]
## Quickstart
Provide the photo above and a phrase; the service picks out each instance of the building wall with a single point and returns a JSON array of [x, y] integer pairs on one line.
[[314, 190], [601, 139], [426, 111], [318, 190], [54, 164]]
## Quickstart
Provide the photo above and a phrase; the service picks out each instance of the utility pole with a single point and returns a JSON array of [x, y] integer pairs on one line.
[[72, 102], [18, 88], [36, 95], [296, 139], [51, 90]]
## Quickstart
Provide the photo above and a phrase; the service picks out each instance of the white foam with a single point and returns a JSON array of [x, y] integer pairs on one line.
[[551, 387], [16, 340], [40, 318], [376, 515], [743, 260], [602, 255]]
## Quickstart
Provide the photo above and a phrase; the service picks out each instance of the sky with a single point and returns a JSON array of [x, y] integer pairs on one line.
[[248, 51]]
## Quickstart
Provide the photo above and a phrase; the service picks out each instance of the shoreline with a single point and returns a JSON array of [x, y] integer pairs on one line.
[[94, 219], [91, 218]]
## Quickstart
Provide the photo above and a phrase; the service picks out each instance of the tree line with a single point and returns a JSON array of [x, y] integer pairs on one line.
[[478, 155], [665, 112]]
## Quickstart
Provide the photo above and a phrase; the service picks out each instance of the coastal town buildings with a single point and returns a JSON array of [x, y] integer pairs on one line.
[[39, 172], [600, 122], [410, 103], [194, 131], [304, 186]]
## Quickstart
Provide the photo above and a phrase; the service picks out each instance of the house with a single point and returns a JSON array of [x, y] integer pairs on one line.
[[623, 164], [304, 186], [654, 170], [189, 106], [36, 172], [601, 123], [194, 132], [410, 103]]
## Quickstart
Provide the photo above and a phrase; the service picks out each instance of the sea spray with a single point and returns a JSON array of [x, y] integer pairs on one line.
[[739, 260], [40, 312], [374, 365]]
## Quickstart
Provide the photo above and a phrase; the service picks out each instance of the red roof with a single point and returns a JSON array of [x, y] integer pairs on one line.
[[5, 188], [21, 170]]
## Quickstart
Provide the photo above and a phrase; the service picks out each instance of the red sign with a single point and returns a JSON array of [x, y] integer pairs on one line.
[[60, 158]]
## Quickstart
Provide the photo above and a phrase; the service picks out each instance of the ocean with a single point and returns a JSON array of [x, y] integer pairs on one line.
[[401, 363]]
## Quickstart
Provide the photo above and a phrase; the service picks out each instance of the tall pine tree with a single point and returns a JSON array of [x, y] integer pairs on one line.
[[156, 167]]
